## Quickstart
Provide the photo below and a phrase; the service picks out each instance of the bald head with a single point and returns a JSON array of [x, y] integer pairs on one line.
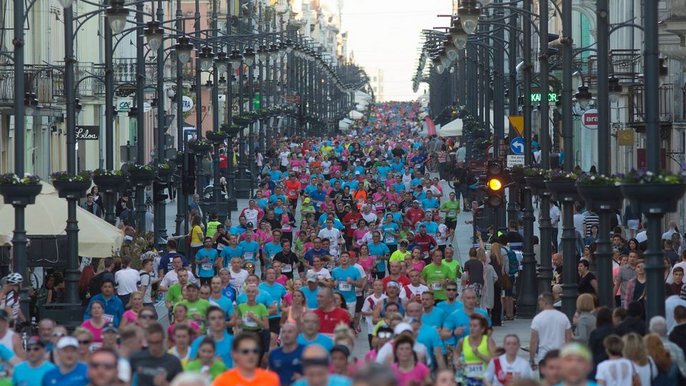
[[315, 352]]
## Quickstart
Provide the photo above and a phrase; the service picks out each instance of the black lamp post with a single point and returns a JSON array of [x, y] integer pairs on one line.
[[183, 50]]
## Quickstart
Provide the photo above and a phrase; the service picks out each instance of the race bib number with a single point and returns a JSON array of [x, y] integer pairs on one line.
[[437, 286], [286, 228], [474, 370], [247, 322], [353, 226], [286, 268], [344, 286], [292, 193], [206, 266], [249, 256], [108, 318], [389, 239], [452, 213]]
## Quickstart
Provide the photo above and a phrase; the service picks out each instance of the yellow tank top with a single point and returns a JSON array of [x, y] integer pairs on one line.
[[196, 235], [474, 367]]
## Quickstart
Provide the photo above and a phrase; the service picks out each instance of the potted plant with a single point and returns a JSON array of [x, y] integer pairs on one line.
[[216, 136], [199, 146], [71, 186], [600, 191], [140, 175], [535, 178], [242, 120], [562, 185], [231, 130], [108, 181], [165, 170], [19, 191], [654, 193]]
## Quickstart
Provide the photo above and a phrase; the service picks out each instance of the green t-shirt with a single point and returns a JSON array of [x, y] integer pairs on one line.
[[399, 256], [454, 266], [258, 309], [174, 294], [434, 275], [452, 208], [196, 366], [199, 307]]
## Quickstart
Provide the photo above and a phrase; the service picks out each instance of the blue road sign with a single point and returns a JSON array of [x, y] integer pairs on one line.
[[517, 145]]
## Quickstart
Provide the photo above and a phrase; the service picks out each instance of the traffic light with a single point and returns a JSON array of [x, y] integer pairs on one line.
[[495, 184], [158, 191]]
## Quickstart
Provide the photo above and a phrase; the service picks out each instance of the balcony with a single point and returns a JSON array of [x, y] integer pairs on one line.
[[637, 111], [44, 81]]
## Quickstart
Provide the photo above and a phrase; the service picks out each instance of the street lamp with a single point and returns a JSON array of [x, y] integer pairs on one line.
[[615, 89], [206, 58], [458, 35], [183, 49], [116, 13], [438, 65], [583, 96], [153, 34], [249, 56], [469, 12], [235, 59], [262, 53], [221, 62]]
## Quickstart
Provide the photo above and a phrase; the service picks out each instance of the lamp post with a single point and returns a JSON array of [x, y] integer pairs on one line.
[[183, 53]]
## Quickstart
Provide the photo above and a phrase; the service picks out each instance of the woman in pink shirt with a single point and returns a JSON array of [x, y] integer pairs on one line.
[[408, 370], [367, 262], [97, 322], [134, 307], [359, 233]]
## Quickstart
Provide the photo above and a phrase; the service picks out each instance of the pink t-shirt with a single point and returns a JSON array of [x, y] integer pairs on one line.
[[418, 374], [170, 331], [131, 316], [282, 280], [367, 263], [97, 332], [418, 266]]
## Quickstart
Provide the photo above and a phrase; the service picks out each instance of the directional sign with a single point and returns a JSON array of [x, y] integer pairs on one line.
[[515, 160], [517, 145], [517, 122], [590, 119]]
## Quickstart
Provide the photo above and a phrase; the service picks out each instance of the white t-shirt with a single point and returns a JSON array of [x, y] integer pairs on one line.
[[670, 304], [127, 281], [332, 235], [647, 372], [412, 291], [615, 372], [363, 275], [368, 306], [321, 274], [283, 157], [172, 277], [551, 326], [519, 369], [238, 278], [326, 167]]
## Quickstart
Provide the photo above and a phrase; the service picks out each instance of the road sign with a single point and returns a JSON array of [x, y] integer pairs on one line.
[[515, 160], [590, 119], [517, 122], [187, 103], [517, 145]]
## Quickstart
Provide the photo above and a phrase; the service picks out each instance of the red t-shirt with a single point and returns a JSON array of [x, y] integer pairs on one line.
[[402, 279], [329, 320]]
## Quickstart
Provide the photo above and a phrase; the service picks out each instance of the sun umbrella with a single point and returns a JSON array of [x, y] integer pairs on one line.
[[48, 217]]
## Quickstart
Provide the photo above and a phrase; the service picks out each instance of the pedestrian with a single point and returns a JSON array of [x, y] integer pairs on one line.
[[550, 329]]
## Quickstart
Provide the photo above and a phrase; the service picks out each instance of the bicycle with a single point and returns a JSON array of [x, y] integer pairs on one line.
[[27, 330]]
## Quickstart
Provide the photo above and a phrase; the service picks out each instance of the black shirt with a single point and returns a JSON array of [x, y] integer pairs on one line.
[[146, 367], [585, 286], [678, 335], [476, 271], [290, 262]]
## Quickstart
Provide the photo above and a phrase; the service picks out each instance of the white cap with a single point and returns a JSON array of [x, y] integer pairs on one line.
[[402, 327]]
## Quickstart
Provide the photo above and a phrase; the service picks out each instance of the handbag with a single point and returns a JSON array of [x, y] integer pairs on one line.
[[506, 282], [635, 378]]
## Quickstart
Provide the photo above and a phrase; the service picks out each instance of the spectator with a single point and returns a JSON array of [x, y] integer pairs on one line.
[[550, 329], [635, 351], [678, 333]]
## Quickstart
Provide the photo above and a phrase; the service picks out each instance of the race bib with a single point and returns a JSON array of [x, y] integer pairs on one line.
[[474, 370], [247, 322], [286, 228], [344, 286], [437, 286], [292, 193], [353, 226], [452, 213], [286, 268], [248, 256], [108, 318], [206, 266], [389, 239]]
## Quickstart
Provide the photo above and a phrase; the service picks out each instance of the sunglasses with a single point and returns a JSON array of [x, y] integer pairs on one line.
[[451, 289], [247, 351], [57, 335], [85, 341], [147, 316], [106, 366], [385, 335]]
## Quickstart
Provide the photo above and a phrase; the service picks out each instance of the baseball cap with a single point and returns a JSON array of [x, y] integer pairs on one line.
[[110, 328], [393, 283], [35, 341], [194, 285], [311, 278], [402, 327], [67, 341], [307, 200]]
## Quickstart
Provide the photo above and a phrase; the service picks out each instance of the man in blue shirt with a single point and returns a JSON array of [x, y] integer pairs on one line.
[[316, 250], [285, 360], [380, 251], [70, 372], [216, 329], [31, 371], [206, 258], [277, 292], [114, 308], [311, 334], [346, 279], [310, 291]]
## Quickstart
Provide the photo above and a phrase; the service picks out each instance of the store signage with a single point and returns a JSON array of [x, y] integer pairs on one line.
[[590, 119], [87, 133], [536, 97]]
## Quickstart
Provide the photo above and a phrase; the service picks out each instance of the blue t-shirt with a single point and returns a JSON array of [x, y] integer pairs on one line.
[[428, 336], [222, 351], [434, 318], [263, 203], [449, 308], [250, 250], [286, 365], [25, 375], [271, 249], [398, 187], [78, 376], [225, 304], [206, 269], [263, 297], [431, 227], [277, 292], [388, 238], [460, 318], [376, 250], [274, 197], [430, 203], [236, 230], [229, 292], [346, 289], [229, 252], [334, 380], [321, 340], [310, 296]]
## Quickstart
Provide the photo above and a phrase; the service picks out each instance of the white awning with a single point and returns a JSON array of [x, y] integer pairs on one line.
[[452, 129]]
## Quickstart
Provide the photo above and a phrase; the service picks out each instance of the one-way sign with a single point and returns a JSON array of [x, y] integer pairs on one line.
[[517, 145]]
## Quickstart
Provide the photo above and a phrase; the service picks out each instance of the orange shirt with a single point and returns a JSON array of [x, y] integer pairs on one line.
[[233, 377]]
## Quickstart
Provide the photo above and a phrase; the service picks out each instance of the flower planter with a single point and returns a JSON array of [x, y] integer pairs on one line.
[[231, 130], [165, 174], [601, 197], [141, 177], [653, 198], [216, 137], [71, 190], [241, 121], [20, 194], [199, 148], [109, 184], [537, 183], [562, 189]]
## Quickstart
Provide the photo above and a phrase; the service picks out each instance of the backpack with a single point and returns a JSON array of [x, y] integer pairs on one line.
[[512, 262]]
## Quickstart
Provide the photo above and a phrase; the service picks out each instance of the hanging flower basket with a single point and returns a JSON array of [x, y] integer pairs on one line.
[[653, 193], [108, 181], [242, 120], [165, 170], [562, 186], [199, 146], [216, 137], [19, 191], [231, 130], [600, 192], [141, 175]]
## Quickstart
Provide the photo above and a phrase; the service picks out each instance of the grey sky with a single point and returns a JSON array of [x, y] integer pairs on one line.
[[385, 34]]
